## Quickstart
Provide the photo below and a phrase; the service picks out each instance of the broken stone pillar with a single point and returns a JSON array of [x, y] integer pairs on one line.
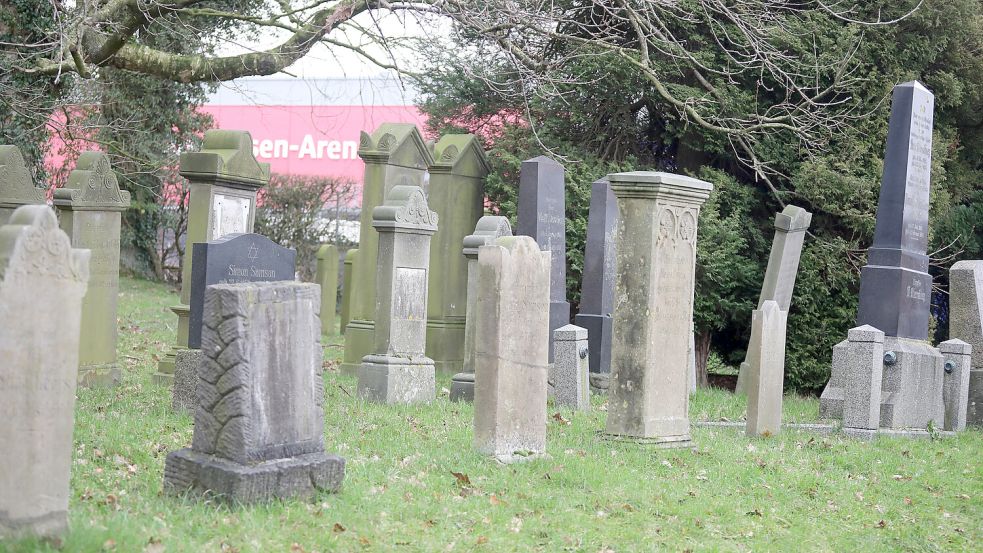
[[955, 387], [511, 351], [259, 426], [766, 370], [42, 282], [488, 229], [783, 266], [863, 360], [657, 221], [570, 368], [399, 371], [351, 257], [966, 323], [327, 279]]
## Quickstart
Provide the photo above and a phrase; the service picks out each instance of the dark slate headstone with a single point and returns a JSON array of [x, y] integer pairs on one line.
[[895, 287], [597, 288], [232, 259], [542, 216]]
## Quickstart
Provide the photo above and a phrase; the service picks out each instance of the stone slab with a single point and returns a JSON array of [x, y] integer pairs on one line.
[[600, 270], [570, 368]]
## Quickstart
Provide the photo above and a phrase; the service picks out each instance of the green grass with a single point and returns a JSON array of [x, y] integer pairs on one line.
[[795, 491]]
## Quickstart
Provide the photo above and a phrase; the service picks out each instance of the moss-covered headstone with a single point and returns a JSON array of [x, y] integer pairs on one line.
[[395, 154], [16, 187], [327, 279], [457, 190], [351, 256], [90, 209], [225, 177]]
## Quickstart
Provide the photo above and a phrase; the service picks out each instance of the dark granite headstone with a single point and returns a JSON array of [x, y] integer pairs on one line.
[[895, 287], [597, 288], [542, 216], [232, 259]]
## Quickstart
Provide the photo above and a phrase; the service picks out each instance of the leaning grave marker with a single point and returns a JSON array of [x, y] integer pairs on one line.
[[90, 210], [42, 282], [224, 179]]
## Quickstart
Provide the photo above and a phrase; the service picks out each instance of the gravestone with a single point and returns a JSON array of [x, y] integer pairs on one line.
[[224, 178], [955, 387], [351, 256], [399, 371], [90, 209], [656, 265], [42, 282], [327, 279], [766, 369], [570, 368], [395, 154], [966, 323], [16, 185], [234, 258], [259, 422], [597, 288], [511, 365], [456, 193], [864, 351], [542, 216], [895, 287], [488, 229], [783, 266]]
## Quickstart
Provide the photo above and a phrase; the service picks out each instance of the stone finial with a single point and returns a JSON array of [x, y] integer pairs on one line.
[[488, 229], [398, 144], [792, 219], [405, 208], [460, 153], [16, 185], [226, 155], [865, 333], [93, 184]]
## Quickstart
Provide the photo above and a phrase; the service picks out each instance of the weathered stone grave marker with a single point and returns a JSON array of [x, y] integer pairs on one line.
[[783, 266], [864, 350], [259, 422], [542, 216], [225, 178], [456, 193], [16, 185], [488, 229], [395, 154], [399, 371], [597, 287], [42, 282], [955, 387], [511, 336], [656, 265], [90, 209], [966, 323], [234, 258], [327, 279], [351, 257], [766, 369], [895, 287]]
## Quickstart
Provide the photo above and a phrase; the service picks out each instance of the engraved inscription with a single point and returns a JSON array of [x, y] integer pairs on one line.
[[230, 215]]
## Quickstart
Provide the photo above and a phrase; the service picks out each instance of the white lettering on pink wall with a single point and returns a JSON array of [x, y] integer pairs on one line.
[[308, 148]]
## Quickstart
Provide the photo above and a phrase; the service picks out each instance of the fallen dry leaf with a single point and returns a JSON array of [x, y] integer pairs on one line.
[[882, 524], [109, 545], [482, 540], [560, 419], [462, 479], [337, 528]]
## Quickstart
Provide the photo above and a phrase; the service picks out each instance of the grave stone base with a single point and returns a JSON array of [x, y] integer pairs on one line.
[[52, 524], [297, 477], [396, 380], [462, 387], [911, 388], [662, 442], [445, 345], [99, 376], [184, 394]]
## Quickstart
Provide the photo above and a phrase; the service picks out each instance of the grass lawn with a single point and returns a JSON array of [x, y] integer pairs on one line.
[[791, 492]]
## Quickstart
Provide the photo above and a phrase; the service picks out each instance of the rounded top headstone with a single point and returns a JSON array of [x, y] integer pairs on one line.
[[488, 229], [405, 208]]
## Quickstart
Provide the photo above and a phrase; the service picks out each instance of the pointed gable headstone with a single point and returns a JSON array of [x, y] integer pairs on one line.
[[90, 210], [457, 190], [16, 186]]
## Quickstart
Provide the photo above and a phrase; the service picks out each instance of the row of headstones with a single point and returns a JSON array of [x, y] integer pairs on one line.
[[89, 208]]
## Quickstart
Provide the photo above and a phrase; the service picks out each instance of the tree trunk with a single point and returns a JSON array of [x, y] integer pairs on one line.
[[702, 354]]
